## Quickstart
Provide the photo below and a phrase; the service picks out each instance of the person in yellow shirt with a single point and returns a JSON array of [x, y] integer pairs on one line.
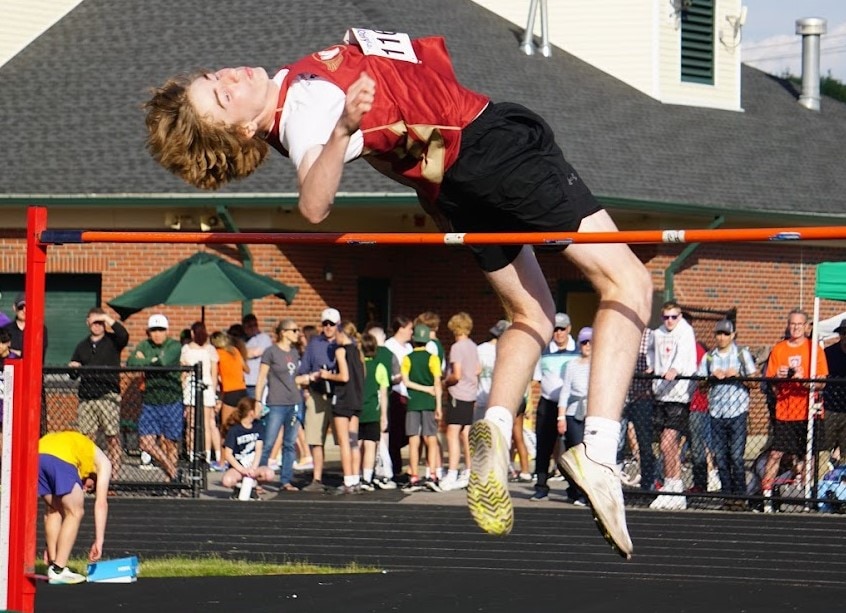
[[69, 465]]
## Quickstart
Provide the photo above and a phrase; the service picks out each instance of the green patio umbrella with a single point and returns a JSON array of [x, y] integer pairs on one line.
[[200, 280]]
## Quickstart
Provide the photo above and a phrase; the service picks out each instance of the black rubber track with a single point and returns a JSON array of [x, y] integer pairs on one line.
[[435, 559]]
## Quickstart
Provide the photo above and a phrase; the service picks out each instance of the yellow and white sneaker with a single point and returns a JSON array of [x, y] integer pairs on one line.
[[487, 489], [601, 484]]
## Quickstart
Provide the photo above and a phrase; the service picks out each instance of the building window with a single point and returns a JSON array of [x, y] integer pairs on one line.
[[697, 41]]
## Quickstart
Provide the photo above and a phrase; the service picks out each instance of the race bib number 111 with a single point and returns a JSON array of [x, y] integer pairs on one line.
[[391, 45]]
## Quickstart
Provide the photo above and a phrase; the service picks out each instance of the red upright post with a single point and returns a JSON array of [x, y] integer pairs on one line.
[[27, 428]]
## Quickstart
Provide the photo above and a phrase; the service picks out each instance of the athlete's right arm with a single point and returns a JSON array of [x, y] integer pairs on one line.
[[101, 503], [320, 171]]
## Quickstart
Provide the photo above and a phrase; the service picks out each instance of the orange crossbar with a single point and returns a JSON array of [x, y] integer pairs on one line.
[[470, 238]]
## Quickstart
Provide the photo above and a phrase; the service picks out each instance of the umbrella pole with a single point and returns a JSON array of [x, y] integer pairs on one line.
[[203, 313]]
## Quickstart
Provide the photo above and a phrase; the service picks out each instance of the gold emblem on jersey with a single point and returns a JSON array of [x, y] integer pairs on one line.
[[331, 57]]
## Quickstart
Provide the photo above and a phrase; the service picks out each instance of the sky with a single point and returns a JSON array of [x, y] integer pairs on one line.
[[770, 42]]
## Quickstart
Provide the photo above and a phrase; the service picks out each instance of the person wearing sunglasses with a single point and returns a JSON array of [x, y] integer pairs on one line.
[[572, 404], [673, 355], [319, 354], [99, 392], [277, 373]]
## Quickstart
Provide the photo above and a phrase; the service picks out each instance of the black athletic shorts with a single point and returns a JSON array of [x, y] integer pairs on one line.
[[672, 416], [510, 176], [232, 398], [790, 436], [459, 412], [369, 431]]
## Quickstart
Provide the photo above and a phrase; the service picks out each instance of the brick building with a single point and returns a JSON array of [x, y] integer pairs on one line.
[[727, 147]]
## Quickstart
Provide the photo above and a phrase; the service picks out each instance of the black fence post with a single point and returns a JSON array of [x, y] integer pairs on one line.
[[198, 470]]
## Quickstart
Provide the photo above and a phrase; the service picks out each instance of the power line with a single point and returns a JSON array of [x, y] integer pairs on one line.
[[791, 56], [794, 41]]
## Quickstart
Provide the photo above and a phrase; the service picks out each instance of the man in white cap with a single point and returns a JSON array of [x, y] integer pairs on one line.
[[549, 371], [319, 354], [160, 423]]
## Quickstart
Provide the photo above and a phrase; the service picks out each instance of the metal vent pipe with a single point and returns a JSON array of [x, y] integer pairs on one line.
[[528, 46], [810, 29]]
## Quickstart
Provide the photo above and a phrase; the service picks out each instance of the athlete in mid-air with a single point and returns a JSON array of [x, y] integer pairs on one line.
[[477, 166]]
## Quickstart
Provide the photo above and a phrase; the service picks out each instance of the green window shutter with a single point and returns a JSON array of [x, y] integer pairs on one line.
[[697, 41], [69, 296]]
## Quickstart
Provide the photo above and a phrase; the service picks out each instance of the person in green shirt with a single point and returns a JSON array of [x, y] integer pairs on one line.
[[160, 425], [421, 373], [374, 409]]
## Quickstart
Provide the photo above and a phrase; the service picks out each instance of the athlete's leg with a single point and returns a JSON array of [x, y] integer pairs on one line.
[[625, 293], [526, 297], [625, 298], [72, 510]]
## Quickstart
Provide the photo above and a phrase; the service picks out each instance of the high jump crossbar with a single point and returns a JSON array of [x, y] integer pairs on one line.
[[722, 235]]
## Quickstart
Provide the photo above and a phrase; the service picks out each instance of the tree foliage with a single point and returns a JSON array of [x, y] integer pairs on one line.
[[829, 86]]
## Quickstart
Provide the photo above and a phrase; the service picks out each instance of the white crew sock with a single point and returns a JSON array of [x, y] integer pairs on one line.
[[673, 485], [452, 475], [602, 436], [503, 419], [208, 456], [350, 480], [368, 475]]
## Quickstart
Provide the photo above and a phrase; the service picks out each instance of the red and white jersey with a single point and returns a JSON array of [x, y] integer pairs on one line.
[[413, 132]]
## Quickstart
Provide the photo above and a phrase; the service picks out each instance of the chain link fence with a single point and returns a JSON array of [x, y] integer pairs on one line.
[[138, 417], [744, 443], [732, 449]]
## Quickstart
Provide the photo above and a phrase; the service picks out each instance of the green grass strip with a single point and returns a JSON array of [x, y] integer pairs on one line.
[[216, 566]]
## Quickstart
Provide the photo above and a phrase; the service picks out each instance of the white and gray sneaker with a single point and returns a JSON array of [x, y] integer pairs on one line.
[[601, 484], [487, 489], [448, 484], [670, 503], [64, 577], [383, 483]]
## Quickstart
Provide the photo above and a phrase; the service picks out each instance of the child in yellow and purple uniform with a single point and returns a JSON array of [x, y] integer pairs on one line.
[[70, 464]]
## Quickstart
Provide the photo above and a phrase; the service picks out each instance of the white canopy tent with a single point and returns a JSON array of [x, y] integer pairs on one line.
[[826, 326]]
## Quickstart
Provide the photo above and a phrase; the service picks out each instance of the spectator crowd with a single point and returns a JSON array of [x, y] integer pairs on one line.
[[267, 401]]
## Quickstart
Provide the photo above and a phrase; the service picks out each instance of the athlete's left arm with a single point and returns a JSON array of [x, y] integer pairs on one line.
[[320, 171]]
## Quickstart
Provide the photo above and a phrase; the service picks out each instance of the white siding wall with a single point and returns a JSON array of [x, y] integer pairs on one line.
[[637, 42], [22, 21], [725, 93]]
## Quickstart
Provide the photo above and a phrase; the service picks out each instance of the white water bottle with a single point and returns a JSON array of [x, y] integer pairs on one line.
[[247, 484]]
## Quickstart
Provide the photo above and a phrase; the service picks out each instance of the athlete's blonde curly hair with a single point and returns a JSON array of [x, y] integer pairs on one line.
[[202, 153]]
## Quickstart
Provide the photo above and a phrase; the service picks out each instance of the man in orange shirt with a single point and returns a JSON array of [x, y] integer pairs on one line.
[[790, 359]]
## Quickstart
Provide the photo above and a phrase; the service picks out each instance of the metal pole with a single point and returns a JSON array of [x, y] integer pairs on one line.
[[722, 235], [545, 48], [810, 463], [24, 512], [198, 471], [528, 46]]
